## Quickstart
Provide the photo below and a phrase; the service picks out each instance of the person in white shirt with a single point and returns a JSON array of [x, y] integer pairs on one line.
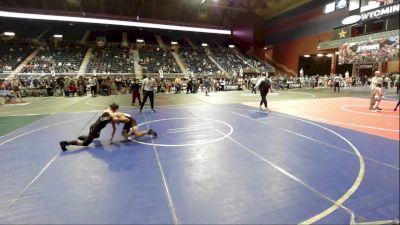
[[148, 85], [336, 81], [374, 81], [93, 85], [253, 81], [378, 93]]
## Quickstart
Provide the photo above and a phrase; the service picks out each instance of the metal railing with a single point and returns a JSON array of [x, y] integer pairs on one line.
[[75, 74]]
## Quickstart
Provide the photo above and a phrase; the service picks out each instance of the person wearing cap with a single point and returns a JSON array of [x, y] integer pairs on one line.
[[107, 116]]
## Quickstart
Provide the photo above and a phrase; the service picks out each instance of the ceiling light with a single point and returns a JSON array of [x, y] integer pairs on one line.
[[58, 36], [329, 55], [10, 34], [320, 55], [204, 44], [139, 40], [351, 19], [307, 56], [231, 46], [111, 22], [371, 5], [329, 7], [174, 43]]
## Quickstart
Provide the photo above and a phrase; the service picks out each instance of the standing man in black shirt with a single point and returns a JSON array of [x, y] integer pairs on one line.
[[337, 79], [264, 85]]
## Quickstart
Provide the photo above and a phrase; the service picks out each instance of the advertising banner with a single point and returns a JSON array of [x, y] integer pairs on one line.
[[378, 50]]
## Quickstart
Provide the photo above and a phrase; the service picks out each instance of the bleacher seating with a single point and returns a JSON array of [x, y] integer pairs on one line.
[[228, 59], [12, 54], [65, 58], [111, 59], [197, 60], [255, 63], [153, 58]]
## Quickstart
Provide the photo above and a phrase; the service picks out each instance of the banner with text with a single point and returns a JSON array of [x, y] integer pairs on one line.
[[370, 51]]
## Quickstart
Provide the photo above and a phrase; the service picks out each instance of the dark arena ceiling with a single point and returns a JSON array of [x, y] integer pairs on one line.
[[210, 13]]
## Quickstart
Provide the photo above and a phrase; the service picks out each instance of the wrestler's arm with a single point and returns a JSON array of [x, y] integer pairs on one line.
[[113, 131]]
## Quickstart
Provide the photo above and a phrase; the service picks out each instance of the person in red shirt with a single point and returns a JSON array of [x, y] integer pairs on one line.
[[135, 90]]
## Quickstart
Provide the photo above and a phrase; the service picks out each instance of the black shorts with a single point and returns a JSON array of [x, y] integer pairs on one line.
[[128, 125], [94, 133]]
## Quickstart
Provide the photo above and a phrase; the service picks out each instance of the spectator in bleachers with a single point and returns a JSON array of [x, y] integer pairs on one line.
[[111, 59], [153, 59], [198, 61], [12, 54], [64, 58]]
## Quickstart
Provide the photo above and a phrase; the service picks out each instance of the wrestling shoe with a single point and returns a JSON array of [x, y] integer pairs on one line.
[[152, 133], [63, 145]]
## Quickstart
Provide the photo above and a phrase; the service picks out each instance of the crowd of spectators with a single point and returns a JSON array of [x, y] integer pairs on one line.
[[153, 58], [198, 61], [255, 63], [228, 59], [70, 86], [283, 81], [111, 59], [61, 58], [12, 54], [62, 85], [65, 58]]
